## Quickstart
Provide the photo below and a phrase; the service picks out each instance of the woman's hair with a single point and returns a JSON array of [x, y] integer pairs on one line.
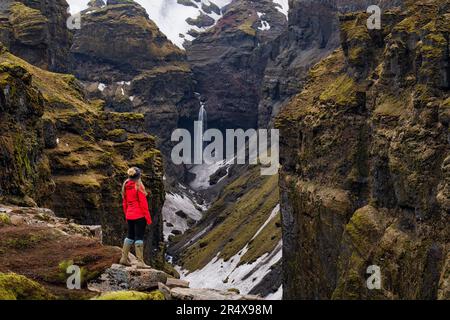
[[134, 174]]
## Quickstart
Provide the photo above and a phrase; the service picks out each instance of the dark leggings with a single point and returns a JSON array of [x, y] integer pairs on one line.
[[136, 229]]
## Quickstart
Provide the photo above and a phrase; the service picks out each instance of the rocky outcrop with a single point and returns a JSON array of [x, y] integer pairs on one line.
[[36, 30], [138, 44], [118, 277], [67, 153], [313, 33], [364, 149], [25, 175], [140, 71], [130, 283], [228, 61], [37, 244]]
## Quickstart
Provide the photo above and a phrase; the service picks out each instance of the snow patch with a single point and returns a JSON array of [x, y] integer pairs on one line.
[[179, 202], [101, 86], [223, 275], [283, 6], [203, 173], [264, 26], [278, 295]]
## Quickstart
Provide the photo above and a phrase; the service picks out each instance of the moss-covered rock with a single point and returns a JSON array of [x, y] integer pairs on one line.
[[17, 287], [365, 162], [131, 295]]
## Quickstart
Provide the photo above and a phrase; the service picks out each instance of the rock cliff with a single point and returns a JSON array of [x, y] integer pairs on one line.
[[124, 59], [36, 30]]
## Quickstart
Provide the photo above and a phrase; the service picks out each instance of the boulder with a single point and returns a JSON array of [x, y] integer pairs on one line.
[[173, 283], [118, 277], [165, 290]]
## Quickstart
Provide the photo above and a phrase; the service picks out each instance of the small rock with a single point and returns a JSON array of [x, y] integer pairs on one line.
[[18, 220], [173, 283]]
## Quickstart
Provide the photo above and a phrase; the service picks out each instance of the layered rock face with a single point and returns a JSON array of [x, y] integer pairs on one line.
[[36, 30], [124, 59], [313, 33], [364, 152], [37, 244], [25, 175], [229, 59]]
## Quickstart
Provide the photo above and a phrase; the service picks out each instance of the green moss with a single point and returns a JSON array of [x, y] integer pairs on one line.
[[341, 92], [247, 26], [364, 229], [406, 25], [264, 242], [390, 106], [17, 287], [131, 295], [85, 274], [355, 29], [4, 219], [431, 52], [24, 18]]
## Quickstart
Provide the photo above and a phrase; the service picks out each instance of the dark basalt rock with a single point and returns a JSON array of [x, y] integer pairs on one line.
[[202, 21], [229, 59], [36, 30], [364, 154], [140, 71]]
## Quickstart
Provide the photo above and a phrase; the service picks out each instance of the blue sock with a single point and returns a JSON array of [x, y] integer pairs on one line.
[[139, 242], [128, 241]]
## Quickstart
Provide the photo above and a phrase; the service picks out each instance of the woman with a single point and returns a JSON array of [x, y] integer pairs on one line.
[[136, 211]]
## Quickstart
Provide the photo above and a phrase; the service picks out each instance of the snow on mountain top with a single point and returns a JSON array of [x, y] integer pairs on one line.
[[170, 16]]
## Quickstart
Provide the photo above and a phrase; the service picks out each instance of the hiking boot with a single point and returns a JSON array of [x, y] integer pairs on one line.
[[139, 247], [125, 251]]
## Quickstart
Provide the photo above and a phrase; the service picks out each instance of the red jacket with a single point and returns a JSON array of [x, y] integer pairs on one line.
[[135, 205]]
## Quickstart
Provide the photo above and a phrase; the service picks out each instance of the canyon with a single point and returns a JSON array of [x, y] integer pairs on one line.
[[363, 121]]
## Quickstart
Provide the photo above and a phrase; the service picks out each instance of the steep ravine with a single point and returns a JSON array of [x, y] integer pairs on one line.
[[364, 122], [364, 153]]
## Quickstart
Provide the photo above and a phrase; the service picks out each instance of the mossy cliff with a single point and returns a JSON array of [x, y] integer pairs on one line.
[[17, 287], [228, 61], [65, 152], [139, 71], [364, 152], [36, 30]]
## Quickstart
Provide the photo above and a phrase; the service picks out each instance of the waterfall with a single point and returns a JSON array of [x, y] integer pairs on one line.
[[200, 126]]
